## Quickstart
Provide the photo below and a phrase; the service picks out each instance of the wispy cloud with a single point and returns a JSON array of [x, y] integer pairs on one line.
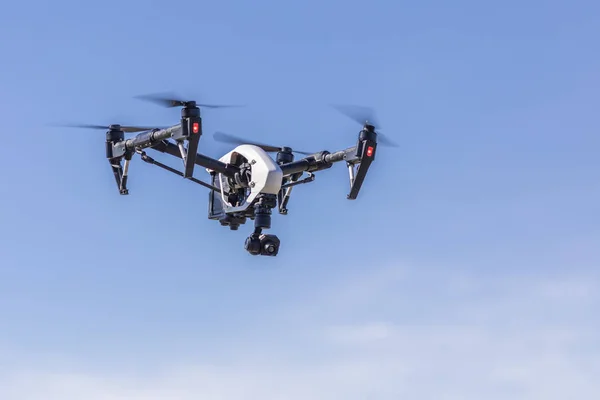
[[418, 333]]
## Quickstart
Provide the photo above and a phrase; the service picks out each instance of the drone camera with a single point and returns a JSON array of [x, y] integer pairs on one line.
[[263, 245], [269, 245]]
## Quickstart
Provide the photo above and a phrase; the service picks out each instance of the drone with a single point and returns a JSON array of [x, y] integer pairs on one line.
[[246, 183]]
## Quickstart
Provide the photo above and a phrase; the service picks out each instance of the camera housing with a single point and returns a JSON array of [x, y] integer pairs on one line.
[[263, 245]]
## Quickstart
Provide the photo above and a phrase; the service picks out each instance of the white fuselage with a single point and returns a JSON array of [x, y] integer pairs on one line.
[[266, 176]]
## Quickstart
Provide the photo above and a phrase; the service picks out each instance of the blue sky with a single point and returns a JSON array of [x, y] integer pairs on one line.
[[466, 269]]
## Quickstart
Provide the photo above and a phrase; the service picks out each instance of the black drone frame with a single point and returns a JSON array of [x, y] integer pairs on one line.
[[120, 151], [182, 141]]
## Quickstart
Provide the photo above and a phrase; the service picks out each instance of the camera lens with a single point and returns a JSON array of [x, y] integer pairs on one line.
[[270, 248], [269, 245]]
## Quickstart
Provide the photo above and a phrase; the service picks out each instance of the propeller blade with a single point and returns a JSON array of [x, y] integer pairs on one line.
[[85, 126], [124, 128], [227, 138], [360, 114], [306, 153], [364, 115], [219, 105], [383, 140], [170, 100], [162, 101]]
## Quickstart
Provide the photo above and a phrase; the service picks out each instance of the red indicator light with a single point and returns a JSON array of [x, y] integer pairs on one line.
[[195, 127], [369, 151]]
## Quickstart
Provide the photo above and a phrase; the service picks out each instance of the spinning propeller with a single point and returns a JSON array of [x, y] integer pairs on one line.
[[171, 100], [366, 117], [116, 127], [227, 138]]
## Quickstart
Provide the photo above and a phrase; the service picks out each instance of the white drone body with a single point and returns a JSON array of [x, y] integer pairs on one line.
[[265, 174]]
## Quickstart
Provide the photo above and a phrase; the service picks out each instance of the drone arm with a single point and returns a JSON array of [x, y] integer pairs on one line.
[[150, 160], [318, 161], [152, 138], [157, 139], [283, 197], [361, 155], [202, 160], [295, 167], [296, 182], [312, 163]]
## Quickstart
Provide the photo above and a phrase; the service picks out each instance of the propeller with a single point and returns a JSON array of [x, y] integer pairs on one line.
[[124, 128], [227, 138], [366, 117], [170, 100]]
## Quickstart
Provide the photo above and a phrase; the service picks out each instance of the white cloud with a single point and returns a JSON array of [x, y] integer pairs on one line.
[[405, 333], [361, 334]]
